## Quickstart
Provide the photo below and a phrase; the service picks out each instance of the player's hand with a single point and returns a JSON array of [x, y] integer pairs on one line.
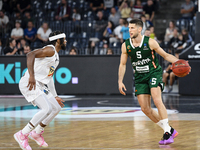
[[60, 100], [31, 83], [122, 88]]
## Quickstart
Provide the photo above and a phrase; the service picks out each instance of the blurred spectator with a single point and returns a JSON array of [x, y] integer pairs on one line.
[[43, 32], [63, 11], [23, 6], [17, 33], [145, 24], [4, 20], [100, 26], [131, 17], [125, 31], [117, 32], [149, 9], [10, 48], [6, 6], [169, 31], [26, 50], [149, 22], [125, 10], [109, 52], [100, 16], [108, 4], [13, 6], [92, 49], [104, 49], [114, 16], [138, 9], [181, 45], [73, 51], [187, 37], [21, 44], [27, 17], [152, 34], [30, 33], [18, 18], [1, 52], [187, 9], [147, 32], [76, 16], [96, 5], [108, 32]]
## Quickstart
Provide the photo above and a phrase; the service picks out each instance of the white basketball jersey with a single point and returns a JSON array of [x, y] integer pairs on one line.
[[44, 67]]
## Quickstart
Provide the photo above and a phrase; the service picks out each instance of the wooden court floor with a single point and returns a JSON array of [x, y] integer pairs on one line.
[[128, 133]]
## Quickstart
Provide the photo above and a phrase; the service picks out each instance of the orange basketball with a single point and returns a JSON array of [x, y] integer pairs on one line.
[[181, 68]]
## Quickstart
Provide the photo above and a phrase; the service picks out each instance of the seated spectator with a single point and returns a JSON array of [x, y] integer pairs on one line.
[[76, 16], [148, 20], [169, 31], [108, 32], [11, 48], [21, 44], [114, 16], [152, 34], [18, 18], [108, 4], [63, 11], [17, 33], [187, 9], [131, 17], [96, 5], [187, 37], [4, 20], [117, 32], [138, 9], [100, 16], [73, 51], [125, 31], [104, 49], [149, 9], [24, 5], [27, 17], [125, 10], [109, 52], [30, 33], [27, 49], [147, 32], [43, 32], [92, 49], [145, 24]]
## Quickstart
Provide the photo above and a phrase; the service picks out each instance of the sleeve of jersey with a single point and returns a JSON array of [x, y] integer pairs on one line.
[[51, 87]]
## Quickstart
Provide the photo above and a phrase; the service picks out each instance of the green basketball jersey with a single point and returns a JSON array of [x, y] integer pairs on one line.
[[143, 59]]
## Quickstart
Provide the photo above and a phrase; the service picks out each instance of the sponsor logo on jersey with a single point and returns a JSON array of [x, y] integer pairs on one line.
[[141, 62], [145, 47], [128, 47], [129, 50], [51, 71]]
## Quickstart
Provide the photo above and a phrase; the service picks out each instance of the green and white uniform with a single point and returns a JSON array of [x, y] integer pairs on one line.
[[148, 72]]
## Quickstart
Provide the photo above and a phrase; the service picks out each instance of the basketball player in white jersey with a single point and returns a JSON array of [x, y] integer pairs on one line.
[[37, 86]]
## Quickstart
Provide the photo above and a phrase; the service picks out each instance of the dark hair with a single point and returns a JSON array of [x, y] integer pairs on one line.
[[54, 41], [73, 48], [137, 22], [9, 40]]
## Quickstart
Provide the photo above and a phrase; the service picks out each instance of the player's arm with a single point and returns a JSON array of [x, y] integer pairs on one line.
[[38, 53], [155, 46], [122, 69]]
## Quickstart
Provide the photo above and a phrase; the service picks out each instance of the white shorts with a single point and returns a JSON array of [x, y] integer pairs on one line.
[[30, 96]]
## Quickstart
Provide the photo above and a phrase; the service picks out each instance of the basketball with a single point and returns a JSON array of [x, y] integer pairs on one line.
[[181, 68]]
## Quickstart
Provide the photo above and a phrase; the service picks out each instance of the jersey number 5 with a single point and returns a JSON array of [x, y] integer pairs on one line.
[[138, 53]]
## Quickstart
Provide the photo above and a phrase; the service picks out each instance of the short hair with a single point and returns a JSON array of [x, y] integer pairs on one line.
[[137, 22]]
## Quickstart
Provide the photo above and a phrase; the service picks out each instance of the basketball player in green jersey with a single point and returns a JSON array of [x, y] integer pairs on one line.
[[148, 76]]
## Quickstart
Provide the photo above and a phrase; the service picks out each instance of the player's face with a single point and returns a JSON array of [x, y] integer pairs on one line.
[[133, 31]]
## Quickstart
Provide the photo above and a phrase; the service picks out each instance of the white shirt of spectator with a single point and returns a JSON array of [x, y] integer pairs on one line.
[[17, 32], [4, 20], [117, 31], [108, 3], [76, 16], [44, 35]]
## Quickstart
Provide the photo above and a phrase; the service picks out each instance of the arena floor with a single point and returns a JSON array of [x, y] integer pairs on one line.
[[104, 123]]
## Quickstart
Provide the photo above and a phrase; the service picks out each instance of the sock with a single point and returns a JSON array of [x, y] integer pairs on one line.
[[165, 125], [39, 129], [27, 129], [160, 124]]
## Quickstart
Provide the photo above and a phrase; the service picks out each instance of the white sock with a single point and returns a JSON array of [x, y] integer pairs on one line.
[[39, 129], [27, 129], [165, 125]]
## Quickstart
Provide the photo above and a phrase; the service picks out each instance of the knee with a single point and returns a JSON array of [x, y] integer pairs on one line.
[[158, 102], [48, 110], [56, 110], [146, 110]]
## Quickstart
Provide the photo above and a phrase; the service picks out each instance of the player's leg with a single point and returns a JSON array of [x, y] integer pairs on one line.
[[36, 134], [45, 108], [145, 103], [165, 80]]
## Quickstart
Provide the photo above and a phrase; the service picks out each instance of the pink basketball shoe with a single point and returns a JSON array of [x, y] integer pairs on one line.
[[38, 138], [22, 139]]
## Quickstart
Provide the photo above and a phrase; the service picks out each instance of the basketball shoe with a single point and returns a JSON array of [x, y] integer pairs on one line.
[[167, 139], [38, 138], [174, 132], [22, 139]]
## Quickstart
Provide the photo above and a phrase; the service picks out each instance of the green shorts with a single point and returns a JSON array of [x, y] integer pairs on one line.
[[145, 81]]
